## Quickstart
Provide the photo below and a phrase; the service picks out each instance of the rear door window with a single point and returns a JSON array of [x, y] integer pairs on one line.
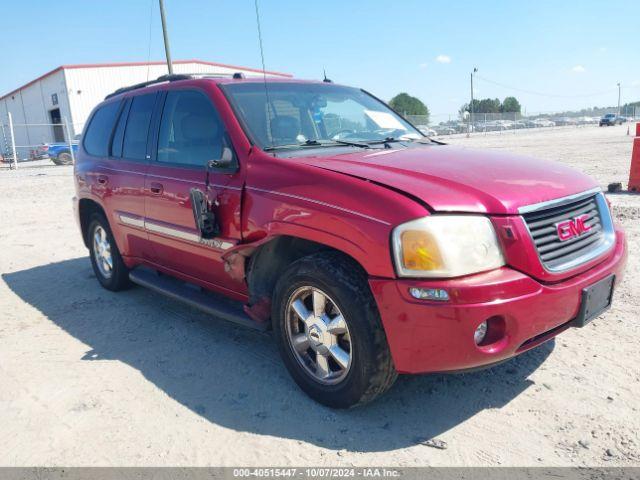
[[134, 146], [96, 138]]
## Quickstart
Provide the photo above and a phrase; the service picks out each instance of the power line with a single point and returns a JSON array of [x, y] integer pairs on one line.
[[541, 94]]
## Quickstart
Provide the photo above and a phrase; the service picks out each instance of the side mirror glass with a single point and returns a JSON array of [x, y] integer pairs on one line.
[[227, 156]]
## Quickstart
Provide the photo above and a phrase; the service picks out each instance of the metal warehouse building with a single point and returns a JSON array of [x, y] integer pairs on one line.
[[69, 93]]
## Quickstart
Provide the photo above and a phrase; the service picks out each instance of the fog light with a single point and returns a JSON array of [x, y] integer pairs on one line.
[[480, 333], [429, 294]]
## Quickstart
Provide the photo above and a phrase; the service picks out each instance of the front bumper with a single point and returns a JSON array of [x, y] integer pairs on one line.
[[438, 336]]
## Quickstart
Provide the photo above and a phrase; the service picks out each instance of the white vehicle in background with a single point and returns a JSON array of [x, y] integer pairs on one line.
[[585, 120], [497, 125], [444, 130], [544, 122], [506, 124], [426, 130], [460, 127], [565, 121]]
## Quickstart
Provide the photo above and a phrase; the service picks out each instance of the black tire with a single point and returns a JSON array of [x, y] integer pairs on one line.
[[63, 158], [118, 279], [371, 370]]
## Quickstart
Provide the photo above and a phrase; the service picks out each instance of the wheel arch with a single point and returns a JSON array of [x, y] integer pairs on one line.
[[86, 208], [263, 262], [272, 257]]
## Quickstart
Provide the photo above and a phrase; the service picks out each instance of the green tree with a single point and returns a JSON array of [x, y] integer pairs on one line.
[[466, 108], [489, 105], [405, 104], [486, 105], [492, 105], [511, 104]]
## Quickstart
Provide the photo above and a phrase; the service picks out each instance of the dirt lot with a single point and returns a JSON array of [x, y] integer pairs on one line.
[[88, 377]]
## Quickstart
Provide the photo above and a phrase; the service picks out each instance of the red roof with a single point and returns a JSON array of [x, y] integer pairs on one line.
[[133, 64]]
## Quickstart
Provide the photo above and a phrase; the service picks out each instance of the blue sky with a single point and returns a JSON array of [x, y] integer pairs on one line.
[[572, 52]]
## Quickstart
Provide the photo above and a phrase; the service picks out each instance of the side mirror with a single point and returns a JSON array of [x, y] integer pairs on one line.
[[202, 214], [226, 163]]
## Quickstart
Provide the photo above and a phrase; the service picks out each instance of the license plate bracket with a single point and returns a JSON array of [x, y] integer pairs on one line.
[[596, 299]]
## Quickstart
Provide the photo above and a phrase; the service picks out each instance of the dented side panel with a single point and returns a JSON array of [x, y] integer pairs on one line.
[[284, 197]]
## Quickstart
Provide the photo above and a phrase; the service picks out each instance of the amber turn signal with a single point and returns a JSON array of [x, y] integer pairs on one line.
[[420, 251]]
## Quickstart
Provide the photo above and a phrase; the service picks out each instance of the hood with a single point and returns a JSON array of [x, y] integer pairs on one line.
[[454, 179]]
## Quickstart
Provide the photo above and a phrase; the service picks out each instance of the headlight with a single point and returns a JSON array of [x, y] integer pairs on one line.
[[446, 246]]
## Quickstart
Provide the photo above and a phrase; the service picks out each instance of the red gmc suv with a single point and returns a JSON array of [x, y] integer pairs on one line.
[[315, 210]]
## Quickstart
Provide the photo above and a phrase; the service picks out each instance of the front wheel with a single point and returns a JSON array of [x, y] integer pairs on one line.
[[329, 331]]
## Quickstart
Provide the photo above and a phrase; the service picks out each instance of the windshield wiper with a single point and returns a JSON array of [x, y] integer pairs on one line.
[[316, 143], [353, 144], [428, 140], [308, 143], [385, 141]]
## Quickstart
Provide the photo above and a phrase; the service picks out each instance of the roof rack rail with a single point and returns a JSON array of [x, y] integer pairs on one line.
[[160, 79], [173, 78]]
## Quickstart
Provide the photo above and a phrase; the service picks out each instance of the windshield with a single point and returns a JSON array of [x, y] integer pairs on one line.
[[311, 114]]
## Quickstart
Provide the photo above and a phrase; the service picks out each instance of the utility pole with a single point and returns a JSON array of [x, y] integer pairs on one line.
[[470, 125], [166, 38], [619, 89], [13, 141], [69, 140]]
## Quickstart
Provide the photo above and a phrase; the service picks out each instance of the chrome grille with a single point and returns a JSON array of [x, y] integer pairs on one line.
[[558, 255]]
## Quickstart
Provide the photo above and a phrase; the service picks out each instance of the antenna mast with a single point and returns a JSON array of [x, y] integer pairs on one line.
[[264, 72]]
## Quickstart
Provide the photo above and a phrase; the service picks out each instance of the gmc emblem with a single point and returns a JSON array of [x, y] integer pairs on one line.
[[572, 228]]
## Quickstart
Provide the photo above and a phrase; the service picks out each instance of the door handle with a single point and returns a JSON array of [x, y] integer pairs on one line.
[[103, 179], [156, 188]]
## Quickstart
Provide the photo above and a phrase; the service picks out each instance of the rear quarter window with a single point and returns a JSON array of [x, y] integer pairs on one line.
[[96, 138]]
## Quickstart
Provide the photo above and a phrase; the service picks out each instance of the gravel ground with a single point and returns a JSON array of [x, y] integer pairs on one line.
[[89, 377]]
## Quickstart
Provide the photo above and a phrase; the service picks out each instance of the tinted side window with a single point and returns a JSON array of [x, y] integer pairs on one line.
[[96, 138], [135, 135], [118, 135], [190, 131]]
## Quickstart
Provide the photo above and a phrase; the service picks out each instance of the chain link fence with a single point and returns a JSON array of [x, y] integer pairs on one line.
[[29, 142], [436, 125]]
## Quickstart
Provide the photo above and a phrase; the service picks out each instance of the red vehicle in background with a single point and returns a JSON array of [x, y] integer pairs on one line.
[[315, 210]]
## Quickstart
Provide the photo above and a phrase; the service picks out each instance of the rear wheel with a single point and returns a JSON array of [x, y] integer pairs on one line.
[[329, 331], [106, 261], [63, 158]]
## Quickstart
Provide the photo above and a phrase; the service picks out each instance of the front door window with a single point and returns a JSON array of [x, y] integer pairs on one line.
[[190, 132]]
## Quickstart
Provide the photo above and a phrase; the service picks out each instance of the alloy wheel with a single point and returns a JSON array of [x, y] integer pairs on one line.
[[102, 252], [318, 335]]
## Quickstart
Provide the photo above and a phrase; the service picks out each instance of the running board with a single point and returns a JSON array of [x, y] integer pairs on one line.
[[194, 296]]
